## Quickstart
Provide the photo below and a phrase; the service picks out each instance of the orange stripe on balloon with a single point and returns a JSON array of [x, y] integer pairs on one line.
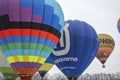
[[29, 71], [16, 58], [28, 32], [26, 58]]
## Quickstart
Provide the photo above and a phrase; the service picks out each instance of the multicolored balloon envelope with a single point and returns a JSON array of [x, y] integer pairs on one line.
[[49, 63], [118, 25], [105, 48], [6, 70], [77, 48], [29, 30], [8, 73]]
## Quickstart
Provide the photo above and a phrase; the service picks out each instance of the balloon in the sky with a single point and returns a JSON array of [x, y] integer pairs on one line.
[[105, 48], [118, 25], [29, 30], [49, 63], [77, 48], [6, 70]]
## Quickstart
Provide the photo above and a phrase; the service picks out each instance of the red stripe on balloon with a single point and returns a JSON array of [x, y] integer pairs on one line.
[[28, 32], [29, 71]]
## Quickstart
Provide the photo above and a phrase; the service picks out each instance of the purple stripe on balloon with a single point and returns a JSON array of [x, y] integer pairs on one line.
[[14, 10], [25, 65], [37, 19], [26, 14], [3, 7]]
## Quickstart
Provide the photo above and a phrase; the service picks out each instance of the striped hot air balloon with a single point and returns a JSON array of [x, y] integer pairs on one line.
[[105, 48], [29, 30]]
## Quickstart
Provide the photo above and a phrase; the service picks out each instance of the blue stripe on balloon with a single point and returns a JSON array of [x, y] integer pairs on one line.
[[55, 22], [61, 15], [27, 39], [57, 12], [49, 12], [38, 7], [50, 2], [26, 53], [26, 3], [56, 15]]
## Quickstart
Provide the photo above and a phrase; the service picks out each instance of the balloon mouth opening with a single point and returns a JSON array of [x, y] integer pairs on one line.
[[26, 76]]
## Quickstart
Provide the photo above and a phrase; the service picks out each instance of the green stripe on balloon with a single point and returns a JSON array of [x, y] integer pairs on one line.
[[33, 46]]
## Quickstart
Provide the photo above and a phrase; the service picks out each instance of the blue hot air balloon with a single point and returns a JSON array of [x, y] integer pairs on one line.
[[29, 30], [77, 48]]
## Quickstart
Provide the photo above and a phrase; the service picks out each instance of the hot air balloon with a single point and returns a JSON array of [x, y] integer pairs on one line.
[[77, 48], [6, 70], [49, 63], [118, 25], [105, 48], [29, 30]]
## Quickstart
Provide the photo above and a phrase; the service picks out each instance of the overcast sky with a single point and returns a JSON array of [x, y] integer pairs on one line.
[[103, 16]]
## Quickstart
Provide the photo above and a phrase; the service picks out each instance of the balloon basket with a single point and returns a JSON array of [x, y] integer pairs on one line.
[[103, 66], [72, 78], [26, 77]]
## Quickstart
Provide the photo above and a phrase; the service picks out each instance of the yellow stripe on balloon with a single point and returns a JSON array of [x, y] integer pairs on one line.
[[15, 58], [36, 59], [41, 60], [10, 59], [26, 58], [46, 66], [20, 58]]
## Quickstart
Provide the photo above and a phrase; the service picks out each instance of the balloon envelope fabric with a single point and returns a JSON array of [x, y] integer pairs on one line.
[[77, 48], [118, 25], [29, 30], [49, 63], [8, 73], [106, 47]]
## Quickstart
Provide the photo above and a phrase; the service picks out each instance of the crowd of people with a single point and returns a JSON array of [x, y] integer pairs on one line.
[[86, 76]]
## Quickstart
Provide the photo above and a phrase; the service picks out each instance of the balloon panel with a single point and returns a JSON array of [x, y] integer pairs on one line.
[[105, 48], [29, 30], [77, 48], [49, 63]]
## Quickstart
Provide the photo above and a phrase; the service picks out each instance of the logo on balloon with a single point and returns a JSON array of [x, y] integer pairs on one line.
[[65, 59], [64, 43], [107, 43]]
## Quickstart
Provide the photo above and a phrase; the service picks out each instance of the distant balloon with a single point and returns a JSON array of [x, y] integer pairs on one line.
[[29, 30], [8, 73], [118, 25], [105, 48], [49, 63], [77, 48], [6, 70]]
